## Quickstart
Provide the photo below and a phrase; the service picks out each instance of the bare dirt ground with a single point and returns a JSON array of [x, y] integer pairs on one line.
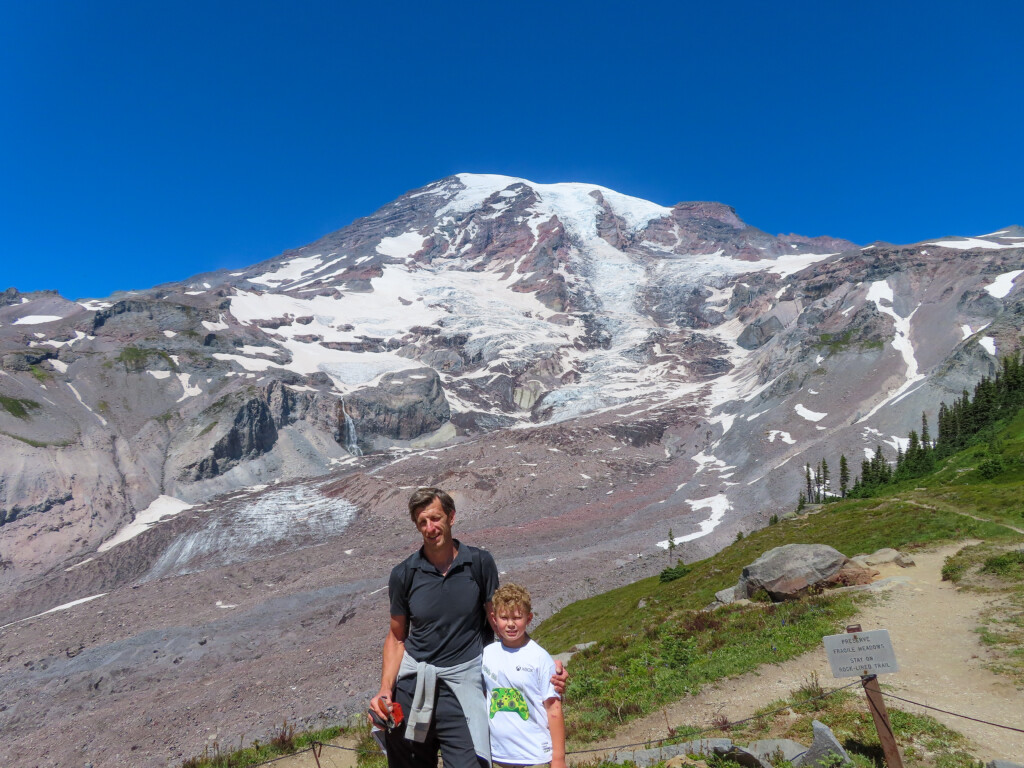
[[941, 660]]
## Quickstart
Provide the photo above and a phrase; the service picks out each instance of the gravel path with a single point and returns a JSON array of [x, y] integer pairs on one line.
[[941, 664]]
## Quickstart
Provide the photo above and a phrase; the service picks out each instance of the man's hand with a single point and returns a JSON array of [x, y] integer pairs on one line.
[[380, 705], [560, 678]]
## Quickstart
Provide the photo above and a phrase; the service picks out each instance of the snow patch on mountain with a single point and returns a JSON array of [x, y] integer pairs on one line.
[[880, 291], [161, 508], [1000, 287], [718, 504], [972, 242], [807, 413], [36, 319], [288, 271]]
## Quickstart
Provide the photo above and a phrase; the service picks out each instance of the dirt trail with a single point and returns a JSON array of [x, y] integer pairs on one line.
[[940, 658]]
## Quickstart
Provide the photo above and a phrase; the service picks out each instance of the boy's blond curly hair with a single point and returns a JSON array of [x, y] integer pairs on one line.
[[511, 596]]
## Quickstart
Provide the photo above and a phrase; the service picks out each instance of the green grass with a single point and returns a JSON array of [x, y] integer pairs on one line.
[[284, 741], [18, 407], [852, 527], [635, 673]]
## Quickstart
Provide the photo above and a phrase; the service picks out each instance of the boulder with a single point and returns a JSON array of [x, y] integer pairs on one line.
[[824, 749], [851, 574], [788, 572], [884, 556]]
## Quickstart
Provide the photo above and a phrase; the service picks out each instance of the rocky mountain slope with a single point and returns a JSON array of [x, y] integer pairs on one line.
[[221, 464]]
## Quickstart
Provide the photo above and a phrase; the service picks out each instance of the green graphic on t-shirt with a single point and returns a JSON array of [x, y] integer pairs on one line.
[[509, 700]]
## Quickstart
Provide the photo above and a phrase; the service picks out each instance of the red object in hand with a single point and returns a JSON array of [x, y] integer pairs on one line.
[[396, 714]]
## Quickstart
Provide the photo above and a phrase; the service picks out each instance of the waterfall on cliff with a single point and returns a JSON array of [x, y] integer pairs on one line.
[[350, 444]]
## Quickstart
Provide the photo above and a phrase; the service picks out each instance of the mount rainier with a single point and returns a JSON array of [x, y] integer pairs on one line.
[[209, 476]]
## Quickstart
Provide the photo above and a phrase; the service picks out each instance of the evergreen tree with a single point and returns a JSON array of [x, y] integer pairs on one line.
[[844, 475]]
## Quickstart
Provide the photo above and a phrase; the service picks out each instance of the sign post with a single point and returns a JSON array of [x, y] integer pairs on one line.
[[868, 655]]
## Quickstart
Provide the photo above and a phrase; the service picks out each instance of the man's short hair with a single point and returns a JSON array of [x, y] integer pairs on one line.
[[424, 497], [511, 596]]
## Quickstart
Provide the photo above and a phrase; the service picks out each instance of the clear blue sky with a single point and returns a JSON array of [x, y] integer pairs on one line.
[[143, 142]]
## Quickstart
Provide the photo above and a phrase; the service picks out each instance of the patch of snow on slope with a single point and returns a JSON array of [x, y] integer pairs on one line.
[[783, 436], [881, 290], [248, 363], [718, 505], [59, 366], [288, 271], [159, 374], [807, 413], [80, 400], [220, 325], [898, 443], [1003, 284], [36, 319], [989, 344], [187, 389], [401, 247], [162, 507], [299, 515], [966, 330], [94, 305], [971, 242], [64, 607]]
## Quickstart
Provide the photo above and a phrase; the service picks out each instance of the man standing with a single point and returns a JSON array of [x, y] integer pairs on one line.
[[440, 607]]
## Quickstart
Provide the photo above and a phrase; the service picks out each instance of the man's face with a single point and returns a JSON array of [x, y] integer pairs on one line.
[[435, 526]]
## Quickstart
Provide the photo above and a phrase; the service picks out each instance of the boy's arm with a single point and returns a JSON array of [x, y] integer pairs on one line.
[[556, 724]]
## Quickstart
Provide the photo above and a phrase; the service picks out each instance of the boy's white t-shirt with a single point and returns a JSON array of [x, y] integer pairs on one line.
[[515, 677]]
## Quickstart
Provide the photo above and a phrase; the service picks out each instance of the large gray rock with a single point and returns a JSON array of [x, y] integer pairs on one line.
[[787, 572], [770, 749], [823, 750]]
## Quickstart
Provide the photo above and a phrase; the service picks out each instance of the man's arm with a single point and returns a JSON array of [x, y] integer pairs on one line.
[[489, 613], [556, 724], [560, 679], [394, 649]]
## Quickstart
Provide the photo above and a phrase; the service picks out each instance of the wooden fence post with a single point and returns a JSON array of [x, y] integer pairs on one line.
[[876, 705]]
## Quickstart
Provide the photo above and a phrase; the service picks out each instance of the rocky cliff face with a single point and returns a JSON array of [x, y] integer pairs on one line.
[[583, 370]]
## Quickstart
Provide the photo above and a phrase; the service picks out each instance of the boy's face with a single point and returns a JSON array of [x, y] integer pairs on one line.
[[511, 623]]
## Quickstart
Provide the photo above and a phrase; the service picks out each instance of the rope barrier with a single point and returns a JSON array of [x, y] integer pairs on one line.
[[710, 728], [694, 736], [954, 714]]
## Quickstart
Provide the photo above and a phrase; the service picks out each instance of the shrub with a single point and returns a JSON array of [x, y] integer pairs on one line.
[[675, 572]]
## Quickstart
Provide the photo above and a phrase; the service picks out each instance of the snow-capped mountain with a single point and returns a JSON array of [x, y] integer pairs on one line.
[[584, 371]]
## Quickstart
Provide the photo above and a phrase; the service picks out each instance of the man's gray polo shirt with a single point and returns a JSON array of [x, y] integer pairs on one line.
[[446, 622]]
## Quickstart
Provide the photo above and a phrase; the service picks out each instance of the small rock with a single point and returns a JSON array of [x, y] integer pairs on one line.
[[824, 748]]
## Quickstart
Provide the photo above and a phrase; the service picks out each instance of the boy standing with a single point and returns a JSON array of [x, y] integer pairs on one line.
[[525, 711]]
